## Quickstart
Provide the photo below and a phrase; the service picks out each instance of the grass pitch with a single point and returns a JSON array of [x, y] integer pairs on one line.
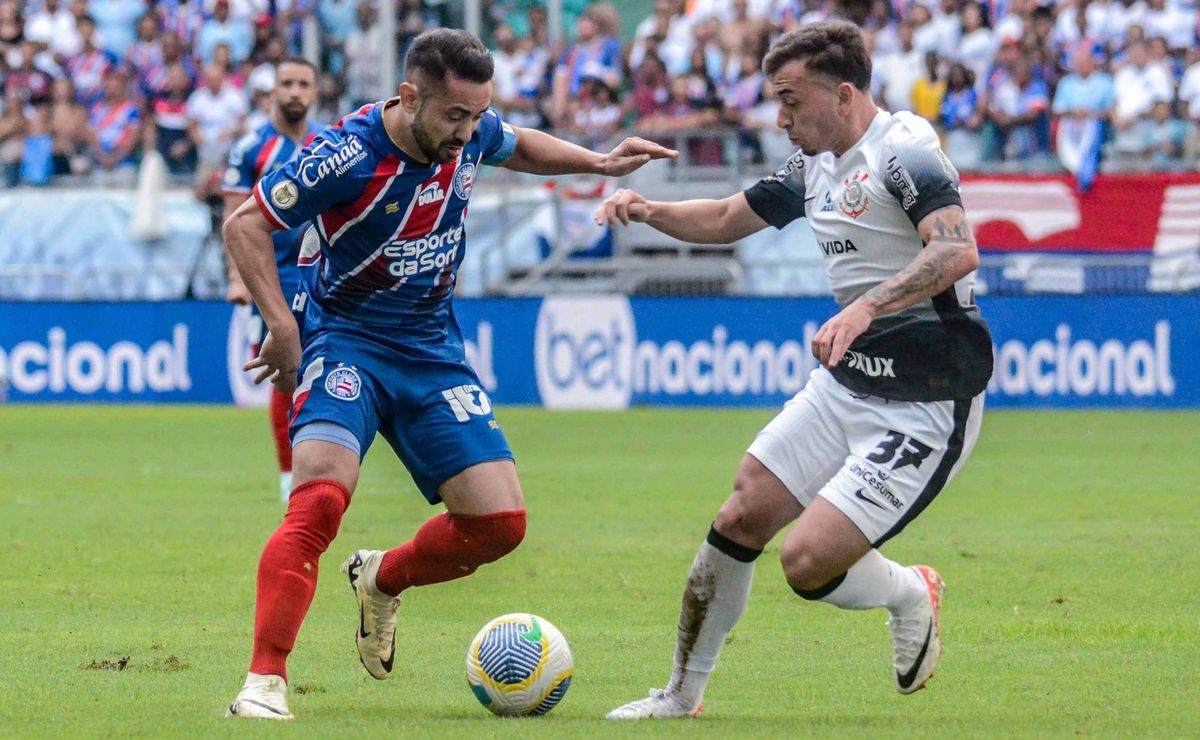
[[131, 537]]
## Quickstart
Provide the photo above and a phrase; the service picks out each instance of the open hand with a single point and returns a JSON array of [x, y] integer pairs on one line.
[[624, 206], [830, 343], [279, 360], [631, 154]]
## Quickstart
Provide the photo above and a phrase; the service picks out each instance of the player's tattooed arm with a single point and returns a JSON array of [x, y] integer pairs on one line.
[[949, 254]]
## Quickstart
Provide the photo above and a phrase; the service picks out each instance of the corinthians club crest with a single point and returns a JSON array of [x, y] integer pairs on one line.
[[854, 200]]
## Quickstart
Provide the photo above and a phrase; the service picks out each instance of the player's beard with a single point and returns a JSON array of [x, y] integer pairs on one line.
[[293, 113], [429, 149]]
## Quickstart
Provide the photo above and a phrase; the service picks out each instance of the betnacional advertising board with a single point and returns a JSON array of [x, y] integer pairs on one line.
[[613, 352]]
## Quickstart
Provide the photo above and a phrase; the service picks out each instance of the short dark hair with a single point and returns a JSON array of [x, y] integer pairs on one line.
[[832, 48], [297, 60], [442, 51]]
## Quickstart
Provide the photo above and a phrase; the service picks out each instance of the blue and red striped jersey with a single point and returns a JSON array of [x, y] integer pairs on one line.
[[116, 126], [391, 229], [88, 70], [255, 155]]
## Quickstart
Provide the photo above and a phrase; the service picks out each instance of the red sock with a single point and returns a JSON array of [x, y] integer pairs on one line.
[[287, 571], [448, 547], [281, 405]]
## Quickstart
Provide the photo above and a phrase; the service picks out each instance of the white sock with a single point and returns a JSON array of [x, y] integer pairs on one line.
[[872, 582], [285, 486], [718, 588]]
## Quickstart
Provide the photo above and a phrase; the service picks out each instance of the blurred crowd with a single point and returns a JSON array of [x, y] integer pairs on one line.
[[90, 85], [1016, 84]]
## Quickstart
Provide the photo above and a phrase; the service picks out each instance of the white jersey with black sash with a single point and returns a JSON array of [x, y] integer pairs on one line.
[[864, 207]]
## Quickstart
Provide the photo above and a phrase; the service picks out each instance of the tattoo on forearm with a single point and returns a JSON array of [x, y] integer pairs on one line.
[[936, 267], [956, 234], [916, 282]]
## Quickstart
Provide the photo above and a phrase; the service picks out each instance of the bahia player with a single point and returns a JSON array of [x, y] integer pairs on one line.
[[896, 407], [377, 349], [255, 155]]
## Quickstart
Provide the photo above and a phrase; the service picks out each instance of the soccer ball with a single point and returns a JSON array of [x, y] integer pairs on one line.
[[519, 664]]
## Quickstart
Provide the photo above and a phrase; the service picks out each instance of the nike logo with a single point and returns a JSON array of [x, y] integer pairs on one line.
[[353, 569], [362, 623], [906, 679], [535, 631], [387, 664], [233, 707], [859, 495], [810, 198]]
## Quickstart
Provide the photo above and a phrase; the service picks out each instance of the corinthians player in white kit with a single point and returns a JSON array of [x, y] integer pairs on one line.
[[895, 408]]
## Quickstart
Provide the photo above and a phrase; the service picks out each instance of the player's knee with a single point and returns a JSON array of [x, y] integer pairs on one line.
[[739, 520], [307, 466], [735, 522], [802, 568]]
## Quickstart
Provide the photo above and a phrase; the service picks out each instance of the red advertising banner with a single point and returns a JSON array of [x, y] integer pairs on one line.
[[1157, 212]]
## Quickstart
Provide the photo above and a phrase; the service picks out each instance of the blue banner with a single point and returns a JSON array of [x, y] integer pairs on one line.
[[612, 352], [1095, 351], [178, 352]]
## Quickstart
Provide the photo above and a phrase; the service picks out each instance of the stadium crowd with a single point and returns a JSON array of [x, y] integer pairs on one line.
[[89, 85]]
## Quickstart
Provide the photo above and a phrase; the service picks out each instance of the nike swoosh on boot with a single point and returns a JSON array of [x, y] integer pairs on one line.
[[906, 679]]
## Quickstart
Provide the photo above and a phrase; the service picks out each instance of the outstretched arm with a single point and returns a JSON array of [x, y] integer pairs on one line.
[[540, 153], [696, 221], [948, 256]]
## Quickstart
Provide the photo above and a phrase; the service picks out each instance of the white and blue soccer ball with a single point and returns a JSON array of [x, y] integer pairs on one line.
[[519, 664]]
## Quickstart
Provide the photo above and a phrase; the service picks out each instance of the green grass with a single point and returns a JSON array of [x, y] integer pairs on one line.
[[1068, 543]]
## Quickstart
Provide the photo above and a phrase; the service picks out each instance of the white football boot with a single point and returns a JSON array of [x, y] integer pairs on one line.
[[261, 697], [661, 704], [376, 635], [917, 635]]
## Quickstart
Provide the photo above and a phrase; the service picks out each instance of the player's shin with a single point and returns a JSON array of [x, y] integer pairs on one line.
[[716, 594], [872, 582], [287, 571], [450, 546], [281, 406]]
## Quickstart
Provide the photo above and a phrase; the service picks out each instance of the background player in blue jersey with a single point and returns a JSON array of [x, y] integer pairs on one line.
[[256, 154], [377, 348]]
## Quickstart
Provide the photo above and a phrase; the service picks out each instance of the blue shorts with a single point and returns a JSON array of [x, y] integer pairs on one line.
[[432, 412]]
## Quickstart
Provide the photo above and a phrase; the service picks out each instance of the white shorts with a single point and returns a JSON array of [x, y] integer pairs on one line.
[[880, 462]]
